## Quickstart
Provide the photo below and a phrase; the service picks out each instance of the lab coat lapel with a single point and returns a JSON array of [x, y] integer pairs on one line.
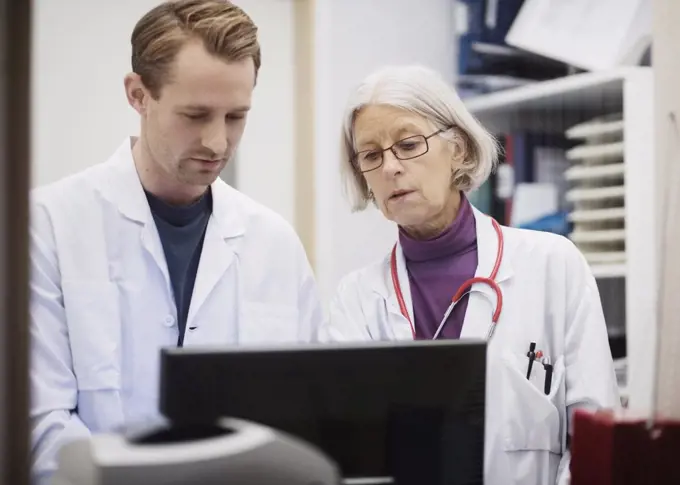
[[482, 298], [151, 242], [123, 188], [220, 245], [401, 327]]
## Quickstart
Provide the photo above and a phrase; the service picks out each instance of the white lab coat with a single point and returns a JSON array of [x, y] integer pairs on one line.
[[549, 297], [102, 304]]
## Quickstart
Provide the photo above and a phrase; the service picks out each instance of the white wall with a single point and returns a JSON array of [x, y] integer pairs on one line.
[[354, 37], [81, 51], [266, 158], [80, 115]]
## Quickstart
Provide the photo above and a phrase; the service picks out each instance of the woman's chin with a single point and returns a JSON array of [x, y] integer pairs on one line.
[[409, 220]]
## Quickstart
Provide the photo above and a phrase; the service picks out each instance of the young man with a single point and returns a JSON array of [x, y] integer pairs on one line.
[[151, 249]]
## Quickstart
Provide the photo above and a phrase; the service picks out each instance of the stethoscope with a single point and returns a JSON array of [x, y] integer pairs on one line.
[[462, 291]]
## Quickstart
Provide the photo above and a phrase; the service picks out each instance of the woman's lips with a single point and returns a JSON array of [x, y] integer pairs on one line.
[[399, 193]]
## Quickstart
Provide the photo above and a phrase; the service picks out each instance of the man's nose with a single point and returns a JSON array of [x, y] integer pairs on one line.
[[215, 139]]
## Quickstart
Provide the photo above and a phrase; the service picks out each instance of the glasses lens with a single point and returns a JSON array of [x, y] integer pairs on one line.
[[369, 159], [411, 147]]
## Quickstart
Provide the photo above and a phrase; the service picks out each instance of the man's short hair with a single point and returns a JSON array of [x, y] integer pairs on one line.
[[225, 30]]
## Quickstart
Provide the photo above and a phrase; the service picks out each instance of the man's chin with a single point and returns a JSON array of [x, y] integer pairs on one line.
[[206, 180], [201, 179]]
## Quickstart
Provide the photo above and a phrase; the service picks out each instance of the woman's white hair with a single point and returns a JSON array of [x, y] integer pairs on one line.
[[422, 91]]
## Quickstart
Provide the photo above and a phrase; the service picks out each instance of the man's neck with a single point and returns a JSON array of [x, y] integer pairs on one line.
[[159, 183]]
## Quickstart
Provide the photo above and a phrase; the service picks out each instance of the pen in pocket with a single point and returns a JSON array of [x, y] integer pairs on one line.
[[531, 355], [548, 374]]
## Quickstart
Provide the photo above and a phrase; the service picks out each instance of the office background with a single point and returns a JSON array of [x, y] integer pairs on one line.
[[314, 52], [286, 160]]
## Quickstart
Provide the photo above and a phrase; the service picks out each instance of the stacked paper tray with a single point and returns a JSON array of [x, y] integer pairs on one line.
[[621, 369], [597, 190]]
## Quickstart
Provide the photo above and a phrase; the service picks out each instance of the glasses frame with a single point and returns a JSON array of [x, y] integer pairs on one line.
[[355, 157]]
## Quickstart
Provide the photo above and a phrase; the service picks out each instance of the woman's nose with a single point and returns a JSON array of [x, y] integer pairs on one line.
[[391, 164]]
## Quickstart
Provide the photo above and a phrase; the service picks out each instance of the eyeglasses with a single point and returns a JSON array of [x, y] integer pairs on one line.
[[404, 149]]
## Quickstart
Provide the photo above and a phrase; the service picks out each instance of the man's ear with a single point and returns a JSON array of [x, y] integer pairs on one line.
[[136, 93]]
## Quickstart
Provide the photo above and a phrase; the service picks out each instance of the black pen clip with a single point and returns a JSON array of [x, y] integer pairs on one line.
[[531, 355]]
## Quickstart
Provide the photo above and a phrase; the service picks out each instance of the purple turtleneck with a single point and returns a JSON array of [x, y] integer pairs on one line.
[[436, 269]]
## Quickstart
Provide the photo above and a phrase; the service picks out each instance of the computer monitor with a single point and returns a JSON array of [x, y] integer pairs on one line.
[[405, 413]]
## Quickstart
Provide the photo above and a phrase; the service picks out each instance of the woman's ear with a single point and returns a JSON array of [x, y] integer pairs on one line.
[[460, 145], [461, 159]]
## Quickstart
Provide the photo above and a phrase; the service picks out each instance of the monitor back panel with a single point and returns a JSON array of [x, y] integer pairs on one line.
[[412, 411]]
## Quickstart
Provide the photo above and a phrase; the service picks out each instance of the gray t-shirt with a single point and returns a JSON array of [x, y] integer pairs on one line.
[[182, 230]]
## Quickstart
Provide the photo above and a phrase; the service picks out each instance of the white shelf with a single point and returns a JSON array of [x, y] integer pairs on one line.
[[577, 98], [558, 105], [603, 153], [605, 257], [597, 215], [608, 270], [595, 128], [576, 91], [590, 172], [596, 193], [602, 235]]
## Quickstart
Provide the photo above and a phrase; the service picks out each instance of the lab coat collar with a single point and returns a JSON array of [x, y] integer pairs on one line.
[[479, 311], [487, 247], [220, 246], [122, 187], [482, 299]]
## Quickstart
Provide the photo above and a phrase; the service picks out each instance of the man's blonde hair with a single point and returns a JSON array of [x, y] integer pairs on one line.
[[225, 30]]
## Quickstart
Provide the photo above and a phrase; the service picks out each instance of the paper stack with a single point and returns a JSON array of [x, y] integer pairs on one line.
[[597, 190]]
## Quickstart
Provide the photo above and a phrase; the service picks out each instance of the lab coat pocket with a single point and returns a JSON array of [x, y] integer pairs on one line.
[[265, 323], [531, 418], [93, 319]]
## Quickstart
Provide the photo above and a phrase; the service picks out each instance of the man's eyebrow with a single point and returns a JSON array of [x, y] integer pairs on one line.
[[203, 107], [195, 107]]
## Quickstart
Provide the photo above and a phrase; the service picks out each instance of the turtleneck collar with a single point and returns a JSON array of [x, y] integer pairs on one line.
[[459, 238]]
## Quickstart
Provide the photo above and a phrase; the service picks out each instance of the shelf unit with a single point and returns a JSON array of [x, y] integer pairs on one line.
[[557, 105]]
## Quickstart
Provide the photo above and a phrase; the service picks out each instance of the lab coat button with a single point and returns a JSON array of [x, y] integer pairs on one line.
[[169, 321]]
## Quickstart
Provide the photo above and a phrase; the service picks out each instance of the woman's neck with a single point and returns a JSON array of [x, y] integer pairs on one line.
[[438, 224]]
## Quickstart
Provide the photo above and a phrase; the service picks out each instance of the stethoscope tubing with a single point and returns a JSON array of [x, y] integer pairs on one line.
[[464, 289]]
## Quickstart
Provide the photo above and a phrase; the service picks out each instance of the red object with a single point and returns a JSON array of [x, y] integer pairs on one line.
[[618, 449]]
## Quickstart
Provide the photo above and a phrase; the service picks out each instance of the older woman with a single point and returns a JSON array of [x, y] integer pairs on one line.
[[411, 148]]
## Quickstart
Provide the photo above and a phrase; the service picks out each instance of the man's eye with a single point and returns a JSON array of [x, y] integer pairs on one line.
[[194, 116]]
